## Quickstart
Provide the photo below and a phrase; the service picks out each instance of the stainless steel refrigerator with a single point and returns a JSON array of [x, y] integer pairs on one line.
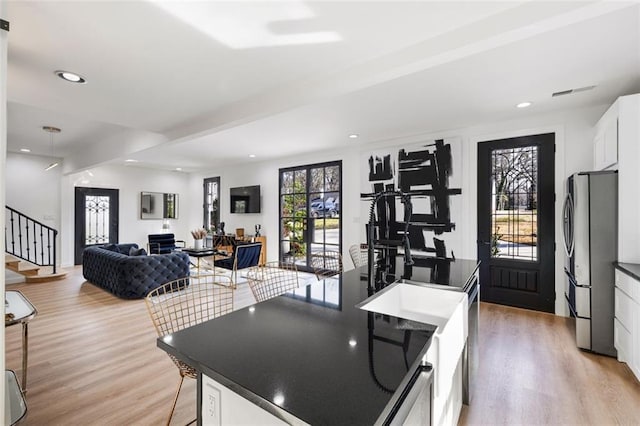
[[590, 228]]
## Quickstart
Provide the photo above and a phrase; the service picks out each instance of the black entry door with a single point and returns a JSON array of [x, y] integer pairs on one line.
[[96, 218], [516, 221], [310, 219]]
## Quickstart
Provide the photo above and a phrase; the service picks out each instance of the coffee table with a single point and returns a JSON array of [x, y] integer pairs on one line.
[[201, 254], [22, 312]]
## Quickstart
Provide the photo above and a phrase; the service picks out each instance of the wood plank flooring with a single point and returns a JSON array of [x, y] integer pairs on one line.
[[93, 360], [532, 373]]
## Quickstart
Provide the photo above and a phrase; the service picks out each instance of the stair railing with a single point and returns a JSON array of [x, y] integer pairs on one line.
[[29, 240]]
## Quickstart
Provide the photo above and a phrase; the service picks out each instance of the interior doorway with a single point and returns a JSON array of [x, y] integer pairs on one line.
[[310, 212], [96, 219], [516, 228]]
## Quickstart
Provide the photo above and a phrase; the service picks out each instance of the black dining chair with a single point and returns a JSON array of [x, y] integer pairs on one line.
[[244, 256]]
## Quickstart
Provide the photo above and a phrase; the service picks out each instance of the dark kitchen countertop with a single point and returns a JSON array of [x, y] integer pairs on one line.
[[632, 269], [333, 363]]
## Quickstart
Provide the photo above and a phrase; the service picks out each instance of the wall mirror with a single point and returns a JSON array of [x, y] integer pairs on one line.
[[158, 205]]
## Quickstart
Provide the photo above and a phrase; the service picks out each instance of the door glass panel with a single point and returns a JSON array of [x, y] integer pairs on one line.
[[300, 184], [317, 180], [332, 178], [514, 203], [286, 206], [300, 205], [96, 219], [317, 230], [287, 183]]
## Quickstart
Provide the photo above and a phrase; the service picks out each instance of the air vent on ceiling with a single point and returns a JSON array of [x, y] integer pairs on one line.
[[570, 91]]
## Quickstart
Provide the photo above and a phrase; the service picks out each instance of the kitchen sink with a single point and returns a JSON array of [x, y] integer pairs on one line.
[[414, 302]]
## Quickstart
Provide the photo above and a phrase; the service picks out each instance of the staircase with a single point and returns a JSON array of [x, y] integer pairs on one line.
[[30, 248], [31, 272]]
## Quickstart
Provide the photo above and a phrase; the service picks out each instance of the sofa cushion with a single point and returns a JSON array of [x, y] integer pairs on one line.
[[137, 252], [124, 248]]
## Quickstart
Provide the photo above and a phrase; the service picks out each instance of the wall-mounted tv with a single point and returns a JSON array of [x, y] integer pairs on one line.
[[245, 199]]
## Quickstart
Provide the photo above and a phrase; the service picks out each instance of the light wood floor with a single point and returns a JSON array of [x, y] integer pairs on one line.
[[93, 360], [532, 373]]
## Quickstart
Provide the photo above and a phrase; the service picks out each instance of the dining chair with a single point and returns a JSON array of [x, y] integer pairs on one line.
[[243, 257], [326, 264], [272, 279], [186, 302], [359, 255]]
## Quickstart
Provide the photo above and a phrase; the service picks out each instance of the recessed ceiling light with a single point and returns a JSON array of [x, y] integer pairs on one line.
[[130, 160], [523, 104], [71, 77], [25, 150], [353, 136], [252, 156], [178, 169]]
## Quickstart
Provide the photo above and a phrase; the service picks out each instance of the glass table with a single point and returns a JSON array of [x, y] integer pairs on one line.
[[15, 407], [18, 310]]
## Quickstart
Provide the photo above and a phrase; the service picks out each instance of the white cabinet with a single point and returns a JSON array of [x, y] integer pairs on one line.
[[222, 406], [605, 143], [628, 113], [627, 321]]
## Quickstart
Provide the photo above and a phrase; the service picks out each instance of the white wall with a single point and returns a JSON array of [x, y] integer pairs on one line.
[[265, 174], [32, 190], [130, 181], [574, 136]]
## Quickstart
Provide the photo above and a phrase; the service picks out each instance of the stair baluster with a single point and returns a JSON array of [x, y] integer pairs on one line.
[[28, 246]]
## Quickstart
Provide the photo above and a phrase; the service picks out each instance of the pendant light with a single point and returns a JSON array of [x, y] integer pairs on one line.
[[51, 130]]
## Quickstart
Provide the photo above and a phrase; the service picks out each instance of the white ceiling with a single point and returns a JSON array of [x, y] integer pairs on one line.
[[197, 84]]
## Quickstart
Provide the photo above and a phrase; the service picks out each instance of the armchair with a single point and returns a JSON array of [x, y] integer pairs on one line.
[[244, 256], [163, 243]]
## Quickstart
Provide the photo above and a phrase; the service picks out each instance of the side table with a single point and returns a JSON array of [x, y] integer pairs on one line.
[[15, 407], [18, 310]]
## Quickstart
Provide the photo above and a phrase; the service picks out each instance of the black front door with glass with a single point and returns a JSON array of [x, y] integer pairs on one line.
[[96, 218], [310, 219], [516, 221]]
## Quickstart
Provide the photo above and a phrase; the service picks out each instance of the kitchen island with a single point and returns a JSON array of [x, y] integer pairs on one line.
[[308, 357]]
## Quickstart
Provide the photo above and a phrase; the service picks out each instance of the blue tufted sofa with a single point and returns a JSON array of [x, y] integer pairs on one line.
[[131, 277]]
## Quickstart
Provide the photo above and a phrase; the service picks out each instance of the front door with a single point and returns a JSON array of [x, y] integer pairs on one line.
[[516, 221], [310, 219], [96, 218]]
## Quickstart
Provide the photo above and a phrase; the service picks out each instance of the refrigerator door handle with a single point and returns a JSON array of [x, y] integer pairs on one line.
[[568, 234]]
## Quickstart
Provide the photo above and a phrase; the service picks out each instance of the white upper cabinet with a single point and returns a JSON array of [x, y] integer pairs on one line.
[[605, 143], [628, 112]]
